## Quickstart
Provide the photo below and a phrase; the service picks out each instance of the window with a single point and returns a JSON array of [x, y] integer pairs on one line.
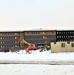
[[15, 33], [27, 32], [61, 36], [70, 32], [1, 38], [62, 44], [68, 42], [57, 36], [43, 32], [72, 44], [54, 42], [1, 46], [15, 37], [1, 42], [38, 32], [43, 37]]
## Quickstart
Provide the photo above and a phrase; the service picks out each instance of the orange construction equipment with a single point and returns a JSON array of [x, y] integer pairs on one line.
[[30, 48], [23, 41]]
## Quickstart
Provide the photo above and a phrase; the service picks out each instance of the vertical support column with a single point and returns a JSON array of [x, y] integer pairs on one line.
[[21, 37]]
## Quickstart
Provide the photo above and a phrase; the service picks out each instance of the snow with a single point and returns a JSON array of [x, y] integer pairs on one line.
[[37, 63], [45, 57], [36, 69]]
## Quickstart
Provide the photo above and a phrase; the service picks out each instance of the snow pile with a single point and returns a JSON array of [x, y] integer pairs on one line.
[[37, 57]]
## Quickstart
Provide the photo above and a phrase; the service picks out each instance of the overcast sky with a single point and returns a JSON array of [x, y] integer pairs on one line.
[[30, 14]]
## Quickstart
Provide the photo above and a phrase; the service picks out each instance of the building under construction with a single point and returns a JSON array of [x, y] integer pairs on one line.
[[9, 39]]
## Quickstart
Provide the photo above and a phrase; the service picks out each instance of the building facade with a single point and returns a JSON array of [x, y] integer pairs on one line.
[[62, 46], [9, 39], [40, 36], [65, 35]]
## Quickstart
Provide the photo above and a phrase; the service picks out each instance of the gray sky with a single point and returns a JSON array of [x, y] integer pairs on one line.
[[30, 14]]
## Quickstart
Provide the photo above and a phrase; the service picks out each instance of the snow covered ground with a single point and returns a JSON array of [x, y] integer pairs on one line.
[[36, 69], [36, 63], [37, 57]]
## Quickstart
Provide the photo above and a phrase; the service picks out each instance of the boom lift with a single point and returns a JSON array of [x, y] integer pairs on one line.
[[23, 41], [30, 47]]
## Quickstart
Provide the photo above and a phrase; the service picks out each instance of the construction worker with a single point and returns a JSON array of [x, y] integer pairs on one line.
[[30, 48]]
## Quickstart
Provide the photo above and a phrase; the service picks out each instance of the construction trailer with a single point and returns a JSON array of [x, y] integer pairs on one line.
[[62, 46]]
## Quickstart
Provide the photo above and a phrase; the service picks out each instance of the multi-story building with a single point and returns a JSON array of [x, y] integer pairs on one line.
[[8, 39]]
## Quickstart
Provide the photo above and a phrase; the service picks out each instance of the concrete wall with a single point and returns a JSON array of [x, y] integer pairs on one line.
[[57, 47]]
